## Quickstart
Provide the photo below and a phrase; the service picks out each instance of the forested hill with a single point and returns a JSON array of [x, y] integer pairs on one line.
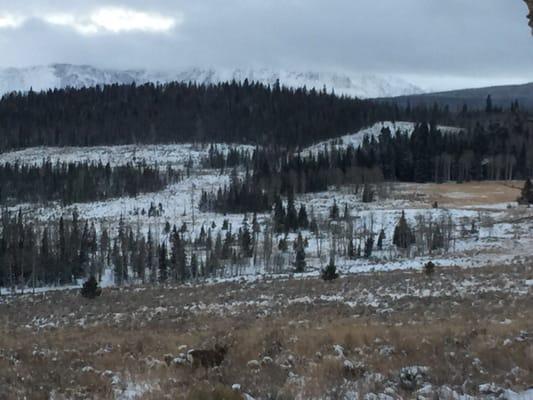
[[176, 112], [501, 96]]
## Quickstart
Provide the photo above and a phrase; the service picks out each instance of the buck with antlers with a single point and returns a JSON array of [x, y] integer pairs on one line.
[[207, 358]]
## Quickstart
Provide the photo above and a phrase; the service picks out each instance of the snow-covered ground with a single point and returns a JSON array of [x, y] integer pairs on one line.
[[503, 237], [175, 155]]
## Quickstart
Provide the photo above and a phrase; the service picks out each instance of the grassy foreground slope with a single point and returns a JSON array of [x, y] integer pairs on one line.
[[290, 338]]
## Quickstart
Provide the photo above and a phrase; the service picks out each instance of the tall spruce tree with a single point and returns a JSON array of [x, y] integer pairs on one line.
[[291, 220], [279, 215], [403, 235], [330, 272], [299, 263], [303, 221], [163, 263]]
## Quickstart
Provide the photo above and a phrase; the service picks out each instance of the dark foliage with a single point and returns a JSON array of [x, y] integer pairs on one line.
[[179, 112], [90, 289], [78, 182], [429, 268], [330, 272], [300, 264], [403, 235]]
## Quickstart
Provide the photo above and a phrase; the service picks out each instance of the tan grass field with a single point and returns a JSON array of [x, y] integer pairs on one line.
[[472, 193], [469, 327]]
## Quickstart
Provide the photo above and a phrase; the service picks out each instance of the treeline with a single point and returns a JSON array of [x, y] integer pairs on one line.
[[71, 249], [79, 182], [58, 253], [65, 251], [494, 151], [178, 112], [223, 160]]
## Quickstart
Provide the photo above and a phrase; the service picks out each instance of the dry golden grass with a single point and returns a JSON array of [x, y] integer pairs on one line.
[[470, 193], [447, 333]]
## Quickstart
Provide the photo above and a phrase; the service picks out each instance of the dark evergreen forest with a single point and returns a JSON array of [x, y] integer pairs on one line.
[[176, 112], [78, 182], [495, 151]]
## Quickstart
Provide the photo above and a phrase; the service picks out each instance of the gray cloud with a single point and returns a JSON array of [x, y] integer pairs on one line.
[[432, 42]]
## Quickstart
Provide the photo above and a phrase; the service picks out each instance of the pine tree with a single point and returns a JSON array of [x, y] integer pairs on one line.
[[403, 236], [303, 221], [163, 268], [194, 266], [256, 227], [334, 210], [245, 240], [488, 105], [117, 263], [291, 220], [330, 272], [227, 246], [279, 215], [381, 238], [150, 255], [437, 240], [429, 268], [369, 246], [346, 215], [282, 244], [90, 289], [368, 194], [351, 249], [300, 263]]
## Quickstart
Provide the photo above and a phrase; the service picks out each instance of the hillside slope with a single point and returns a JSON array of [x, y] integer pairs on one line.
[[473, 98]]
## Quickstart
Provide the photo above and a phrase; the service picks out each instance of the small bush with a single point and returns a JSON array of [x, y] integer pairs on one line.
[[330, 272], [429, 268], [90, 289]]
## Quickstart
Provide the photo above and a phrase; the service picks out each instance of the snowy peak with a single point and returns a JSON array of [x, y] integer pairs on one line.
[[65, 75]]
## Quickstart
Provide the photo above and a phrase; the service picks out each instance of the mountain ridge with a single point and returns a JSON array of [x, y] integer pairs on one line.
[[60, 76], [501, 95]]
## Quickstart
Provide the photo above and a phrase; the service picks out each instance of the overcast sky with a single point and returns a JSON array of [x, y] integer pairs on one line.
[[433, 43]]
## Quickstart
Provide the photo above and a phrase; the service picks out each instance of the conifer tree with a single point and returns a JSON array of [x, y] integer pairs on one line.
[[194, 266], [381, 238], [403, 235], [291, 220], [246, 241], [279, 215], [351, 249], [334, 210], [303, 221], [90, 289], [488, 105], [300, 263], [150, 255], [437, 240], [346, 215], [163, 266], [330, 272], [369, 246], [368, 194], [283, 245]]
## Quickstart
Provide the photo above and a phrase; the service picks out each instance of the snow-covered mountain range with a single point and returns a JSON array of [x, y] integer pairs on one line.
[[66, 75]]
